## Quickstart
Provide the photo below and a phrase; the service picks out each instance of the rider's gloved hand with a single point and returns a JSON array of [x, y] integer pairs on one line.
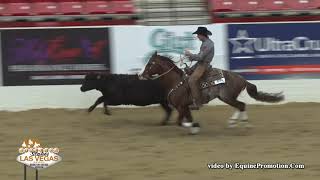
[[187, 52]]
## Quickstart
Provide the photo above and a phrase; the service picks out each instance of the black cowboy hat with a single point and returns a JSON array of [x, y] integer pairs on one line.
[[203, 31]]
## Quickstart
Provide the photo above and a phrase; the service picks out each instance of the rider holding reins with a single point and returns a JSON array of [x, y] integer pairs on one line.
[[203, 58]]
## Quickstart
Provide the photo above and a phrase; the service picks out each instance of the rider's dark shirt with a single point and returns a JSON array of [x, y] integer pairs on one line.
[[206, 52]]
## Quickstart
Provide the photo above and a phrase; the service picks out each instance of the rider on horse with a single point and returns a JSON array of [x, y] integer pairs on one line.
[[203, 58]]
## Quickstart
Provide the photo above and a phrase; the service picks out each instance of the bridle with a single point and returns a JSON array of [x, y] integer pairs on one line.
[[158, 76], [165, 73]]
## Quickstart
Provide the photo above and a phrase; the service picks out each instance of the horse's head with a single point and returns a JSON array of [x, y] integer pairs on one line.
[[157, 66], [91, 81]]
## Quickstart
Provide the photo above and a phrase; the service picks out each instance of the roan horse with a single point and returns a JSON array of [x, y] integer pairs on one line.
[[174, 80]]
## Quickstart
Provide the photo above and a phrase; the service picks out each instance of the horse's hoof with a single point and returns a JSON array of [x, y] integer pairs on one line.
[[187, 124], [232, 123], [195, 129], [163, 123], [231, 126], [247, 125]]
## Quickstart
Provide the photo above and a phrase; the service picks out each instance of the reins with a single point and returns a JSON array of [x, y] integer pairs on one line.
[[162, 74]]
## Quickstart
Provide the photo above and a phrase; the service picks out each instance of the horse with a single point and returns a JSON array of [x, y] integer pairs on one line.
[[175, 82]]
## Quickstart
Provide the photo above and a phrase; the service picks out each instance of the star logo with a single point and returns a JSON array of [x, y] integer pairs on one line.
[[242, 43]]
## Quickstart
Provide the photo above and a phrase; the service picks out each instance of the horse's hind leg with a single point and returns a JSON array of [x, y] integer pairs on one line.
[[240, 114]]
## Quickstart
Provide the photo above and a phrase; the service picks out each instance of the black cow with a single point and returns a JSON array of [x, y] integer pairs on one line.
[[120, 89]]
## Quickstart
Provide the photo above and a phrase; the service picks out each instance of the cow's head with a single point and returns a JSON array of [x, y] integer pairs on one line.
[[91, 81]]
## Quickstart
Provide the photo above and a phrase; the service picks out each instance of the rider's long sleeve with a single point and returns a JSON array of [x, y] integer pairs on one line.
[[206, 52]]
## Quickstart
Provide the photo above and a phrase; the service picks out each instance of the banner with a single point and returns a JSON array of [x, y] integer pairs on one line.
[[53, 56], [275, 51], [132, 46]]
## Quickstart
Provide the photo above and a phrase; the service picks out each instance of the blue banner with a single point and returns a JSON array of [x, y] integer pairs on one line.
[[275, 51]]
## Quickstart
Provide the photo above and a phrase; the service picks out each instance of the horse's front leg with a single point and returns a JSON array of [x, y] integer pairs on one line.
[[188, 115], [193, 127], [181, 115], [184, 113], [188, 118]]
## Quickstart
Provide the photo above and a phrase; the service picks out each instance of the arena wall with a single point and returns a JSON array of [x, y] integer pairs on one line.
[[35, 97], [129, 48]]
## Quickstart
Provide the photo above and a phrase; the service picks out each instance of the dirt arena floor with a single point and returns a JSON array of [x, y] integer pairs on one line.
[[131, 145]]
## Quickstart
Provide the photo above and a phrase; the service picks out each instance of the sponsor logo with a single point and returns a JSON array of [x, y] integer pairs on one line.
[[169, 43], [32, 154], [272, 47]]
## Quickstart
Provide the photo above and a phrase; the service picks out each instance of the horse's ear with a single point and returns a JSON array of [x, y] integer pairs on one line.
[[155, 53]]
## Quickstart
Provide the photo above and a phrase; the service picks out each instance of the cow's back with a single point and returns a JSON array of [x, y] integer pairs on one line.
[[128, 89]]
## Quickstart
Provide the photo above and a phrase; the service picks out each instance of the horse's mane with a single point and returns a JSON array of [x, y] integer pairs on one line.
[[176, 69]]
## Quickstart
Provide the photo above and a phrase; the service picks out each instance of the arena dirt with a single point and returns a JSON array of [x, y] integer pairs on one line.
[[131, 145]]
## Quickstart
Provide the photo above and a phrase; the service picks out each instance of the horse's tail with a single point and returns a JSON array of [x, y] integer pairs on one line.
[[263, 96]]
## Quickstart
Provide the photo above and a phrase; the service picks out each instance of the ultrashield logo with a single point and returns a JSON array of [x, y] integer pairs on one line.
[[32, 154], [242, 43]]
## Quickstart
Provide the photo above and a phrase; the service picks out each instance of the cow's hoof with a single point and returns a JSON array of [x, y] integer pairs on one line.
[[90, 109], [163, 123], [106, 112]]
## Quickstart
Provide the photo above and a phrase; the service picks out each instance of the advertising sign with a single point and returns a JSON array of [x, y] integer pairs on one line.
[[132, 46], [53, 56], [275, 51]]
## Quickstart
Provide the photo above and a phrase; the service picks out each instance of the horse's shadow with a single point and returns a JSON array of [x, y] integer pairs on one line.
[[146, 127]]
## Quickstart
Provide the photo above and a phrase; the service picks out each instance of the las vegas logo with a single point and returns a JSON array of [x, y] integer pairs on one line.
[[32, 154]]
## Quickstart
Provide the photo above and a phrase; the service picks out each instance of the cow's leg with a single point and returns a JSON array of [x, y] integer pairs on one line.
[[98, 101], [168, 110], [105, 107]]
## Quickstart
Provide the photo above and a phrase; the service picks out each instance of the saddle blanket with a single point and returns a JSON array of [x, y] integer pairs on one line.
[[211, 78]]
